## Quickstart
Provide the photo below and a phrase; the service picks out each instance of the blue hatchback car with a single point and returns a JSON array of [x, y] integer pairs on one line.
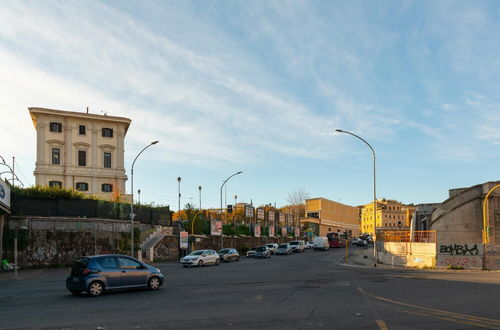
[[96, 274]]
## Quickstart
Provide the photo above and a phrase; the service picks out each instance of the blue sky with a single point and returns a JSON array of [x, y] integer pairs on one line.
[[259, 86]]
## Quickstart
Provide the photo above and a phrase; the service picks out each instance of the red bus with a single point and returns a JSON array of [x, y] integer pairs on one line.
[[335, 240]]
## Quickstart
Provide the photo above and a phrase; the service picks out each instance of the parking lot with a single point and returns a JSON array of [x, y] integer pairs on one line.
[[303, 290]]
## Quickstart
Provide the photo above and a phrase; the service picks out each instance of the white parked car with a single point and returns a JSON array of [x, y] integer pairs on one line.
[[321, 243], [200, 258], [298, 246], [309, 245], [272, 247]]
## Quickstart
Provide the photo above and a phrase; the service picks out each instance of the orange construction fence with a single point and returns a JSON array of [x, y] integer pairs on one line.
[[419, 236]]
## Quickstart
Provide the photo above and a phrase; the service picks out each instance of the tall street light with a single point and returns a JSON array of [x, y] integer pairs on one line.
[[132, 215], [199, 189], [179, 179], [234, 212], [222, 233], [374, 195]]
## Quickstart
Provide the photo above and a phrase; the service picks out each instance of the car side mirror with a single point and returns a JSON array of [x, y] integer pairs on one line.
[[203, 255]]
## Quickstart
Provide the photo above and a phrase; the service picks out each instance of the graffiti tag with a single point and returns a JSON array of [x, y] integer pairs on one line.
[[459, 249]]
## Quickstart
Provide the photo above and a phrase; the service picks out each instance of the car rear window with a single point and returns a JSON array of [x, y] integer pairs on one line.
[[79, 265]]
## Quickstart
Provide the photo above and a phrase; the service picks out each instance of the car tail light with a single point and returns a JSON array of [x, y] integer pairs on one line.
[[86, 271]]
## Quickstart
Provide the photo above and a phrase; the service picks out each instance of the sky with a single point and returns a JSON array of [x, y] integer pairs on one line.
[[260, 87]]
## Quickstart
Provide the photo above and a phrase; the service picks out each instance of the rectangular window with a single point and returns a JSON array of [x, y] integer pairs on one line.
[[56, 156], [107, 160], [55, 184], [82, 158], [55, 127], [82, 186], [81, 129], [106, 187], [107, 132]]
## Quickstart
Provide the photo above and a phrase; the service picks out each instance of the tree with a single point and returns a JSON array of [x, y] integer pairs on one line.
[[297, 201], [298, 196]]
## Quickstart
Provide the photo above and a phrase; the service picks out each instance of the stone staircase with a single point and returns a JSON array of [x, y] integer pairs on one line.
[[149, 244]]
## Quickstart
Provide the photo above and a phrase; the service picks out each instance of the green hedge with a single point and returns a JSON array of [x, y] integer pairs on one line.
[[44, 193]]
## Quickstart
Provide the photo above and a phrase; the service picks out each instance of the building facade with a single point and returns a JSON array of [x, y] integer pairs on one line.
[[422, 215], [391, 215], [324, 216], [460, 224], [81, 151]]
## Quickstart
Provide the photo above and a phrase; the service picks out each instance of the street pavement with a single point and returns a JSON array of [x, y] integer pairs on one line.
[[314, 289]]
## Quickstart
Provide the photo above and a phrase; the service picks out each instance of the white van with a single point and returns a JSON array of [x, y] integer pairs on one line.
[[321, 243]]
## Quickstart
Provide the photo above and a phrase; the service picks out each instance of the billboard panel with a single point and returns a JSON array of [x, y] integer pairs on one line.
[[249, 211], [216, 227], [257, 230], [270, 215], [183, 242], [4, 196]]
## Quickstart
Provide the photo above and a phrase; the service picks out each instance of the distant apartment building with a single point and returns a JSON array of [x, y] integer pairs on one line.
[[324, 216], [390, 214], [80, 151], [422, 215]]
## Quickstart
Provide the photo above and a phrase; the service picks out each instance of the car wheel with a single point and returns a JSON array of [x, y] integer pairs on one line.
[[268, 256], [200, 263], [96, 289], [154, 283], [185, 266], [217, 261], [238, 259], [76, 293]]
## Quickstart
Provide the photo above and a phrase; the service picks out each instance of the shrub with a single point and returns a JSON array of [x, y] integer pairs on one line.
[[44, 193]]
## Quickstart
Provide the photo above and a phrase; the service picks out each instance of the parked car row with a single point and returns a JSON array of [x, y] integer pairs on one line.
[[97, 274]]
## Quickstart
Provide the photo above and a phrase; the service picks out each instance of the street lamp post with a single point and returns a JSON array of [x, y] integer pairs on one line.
[[199, 189], [223, 183], [132, 215], [374, 196], [179, 179], [234, 212]]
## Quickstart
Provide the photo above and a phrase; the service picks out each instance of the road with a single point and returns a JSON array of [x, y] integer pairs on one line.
[[307, 290]]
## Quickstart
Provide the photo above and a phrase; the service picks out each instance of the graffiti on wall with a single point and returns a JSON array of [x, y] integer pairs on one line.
[[460, 255], [465, 262], [459, 249]]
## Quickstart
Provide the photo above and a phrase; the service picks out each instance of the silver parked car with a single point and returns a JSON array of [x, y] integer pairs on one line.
[[200, 258], [251, 253], [285, 249], [262, 252], [272, 247]]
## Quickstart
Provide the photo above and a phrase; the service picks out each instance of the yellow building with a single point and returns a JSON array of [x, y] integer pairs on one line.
[[324, 216], [391, 215], [80, 151]]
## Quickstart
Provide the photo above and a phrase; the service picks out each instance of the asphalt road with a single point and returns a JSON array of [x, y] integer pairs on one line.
[[303, 291]]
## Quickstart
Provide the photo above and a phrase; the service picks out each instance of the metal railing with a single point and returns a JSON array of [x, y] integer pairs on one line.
[[415, 236]]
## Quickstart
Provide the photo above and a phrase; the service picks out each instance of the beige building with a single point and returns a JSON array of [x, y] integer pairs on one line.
[[81, 151], [391, 215], [324, 216]]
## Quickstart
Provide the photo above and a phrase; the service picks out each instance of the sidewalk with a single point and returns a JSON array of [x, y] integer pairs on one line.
[[361, 257]]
